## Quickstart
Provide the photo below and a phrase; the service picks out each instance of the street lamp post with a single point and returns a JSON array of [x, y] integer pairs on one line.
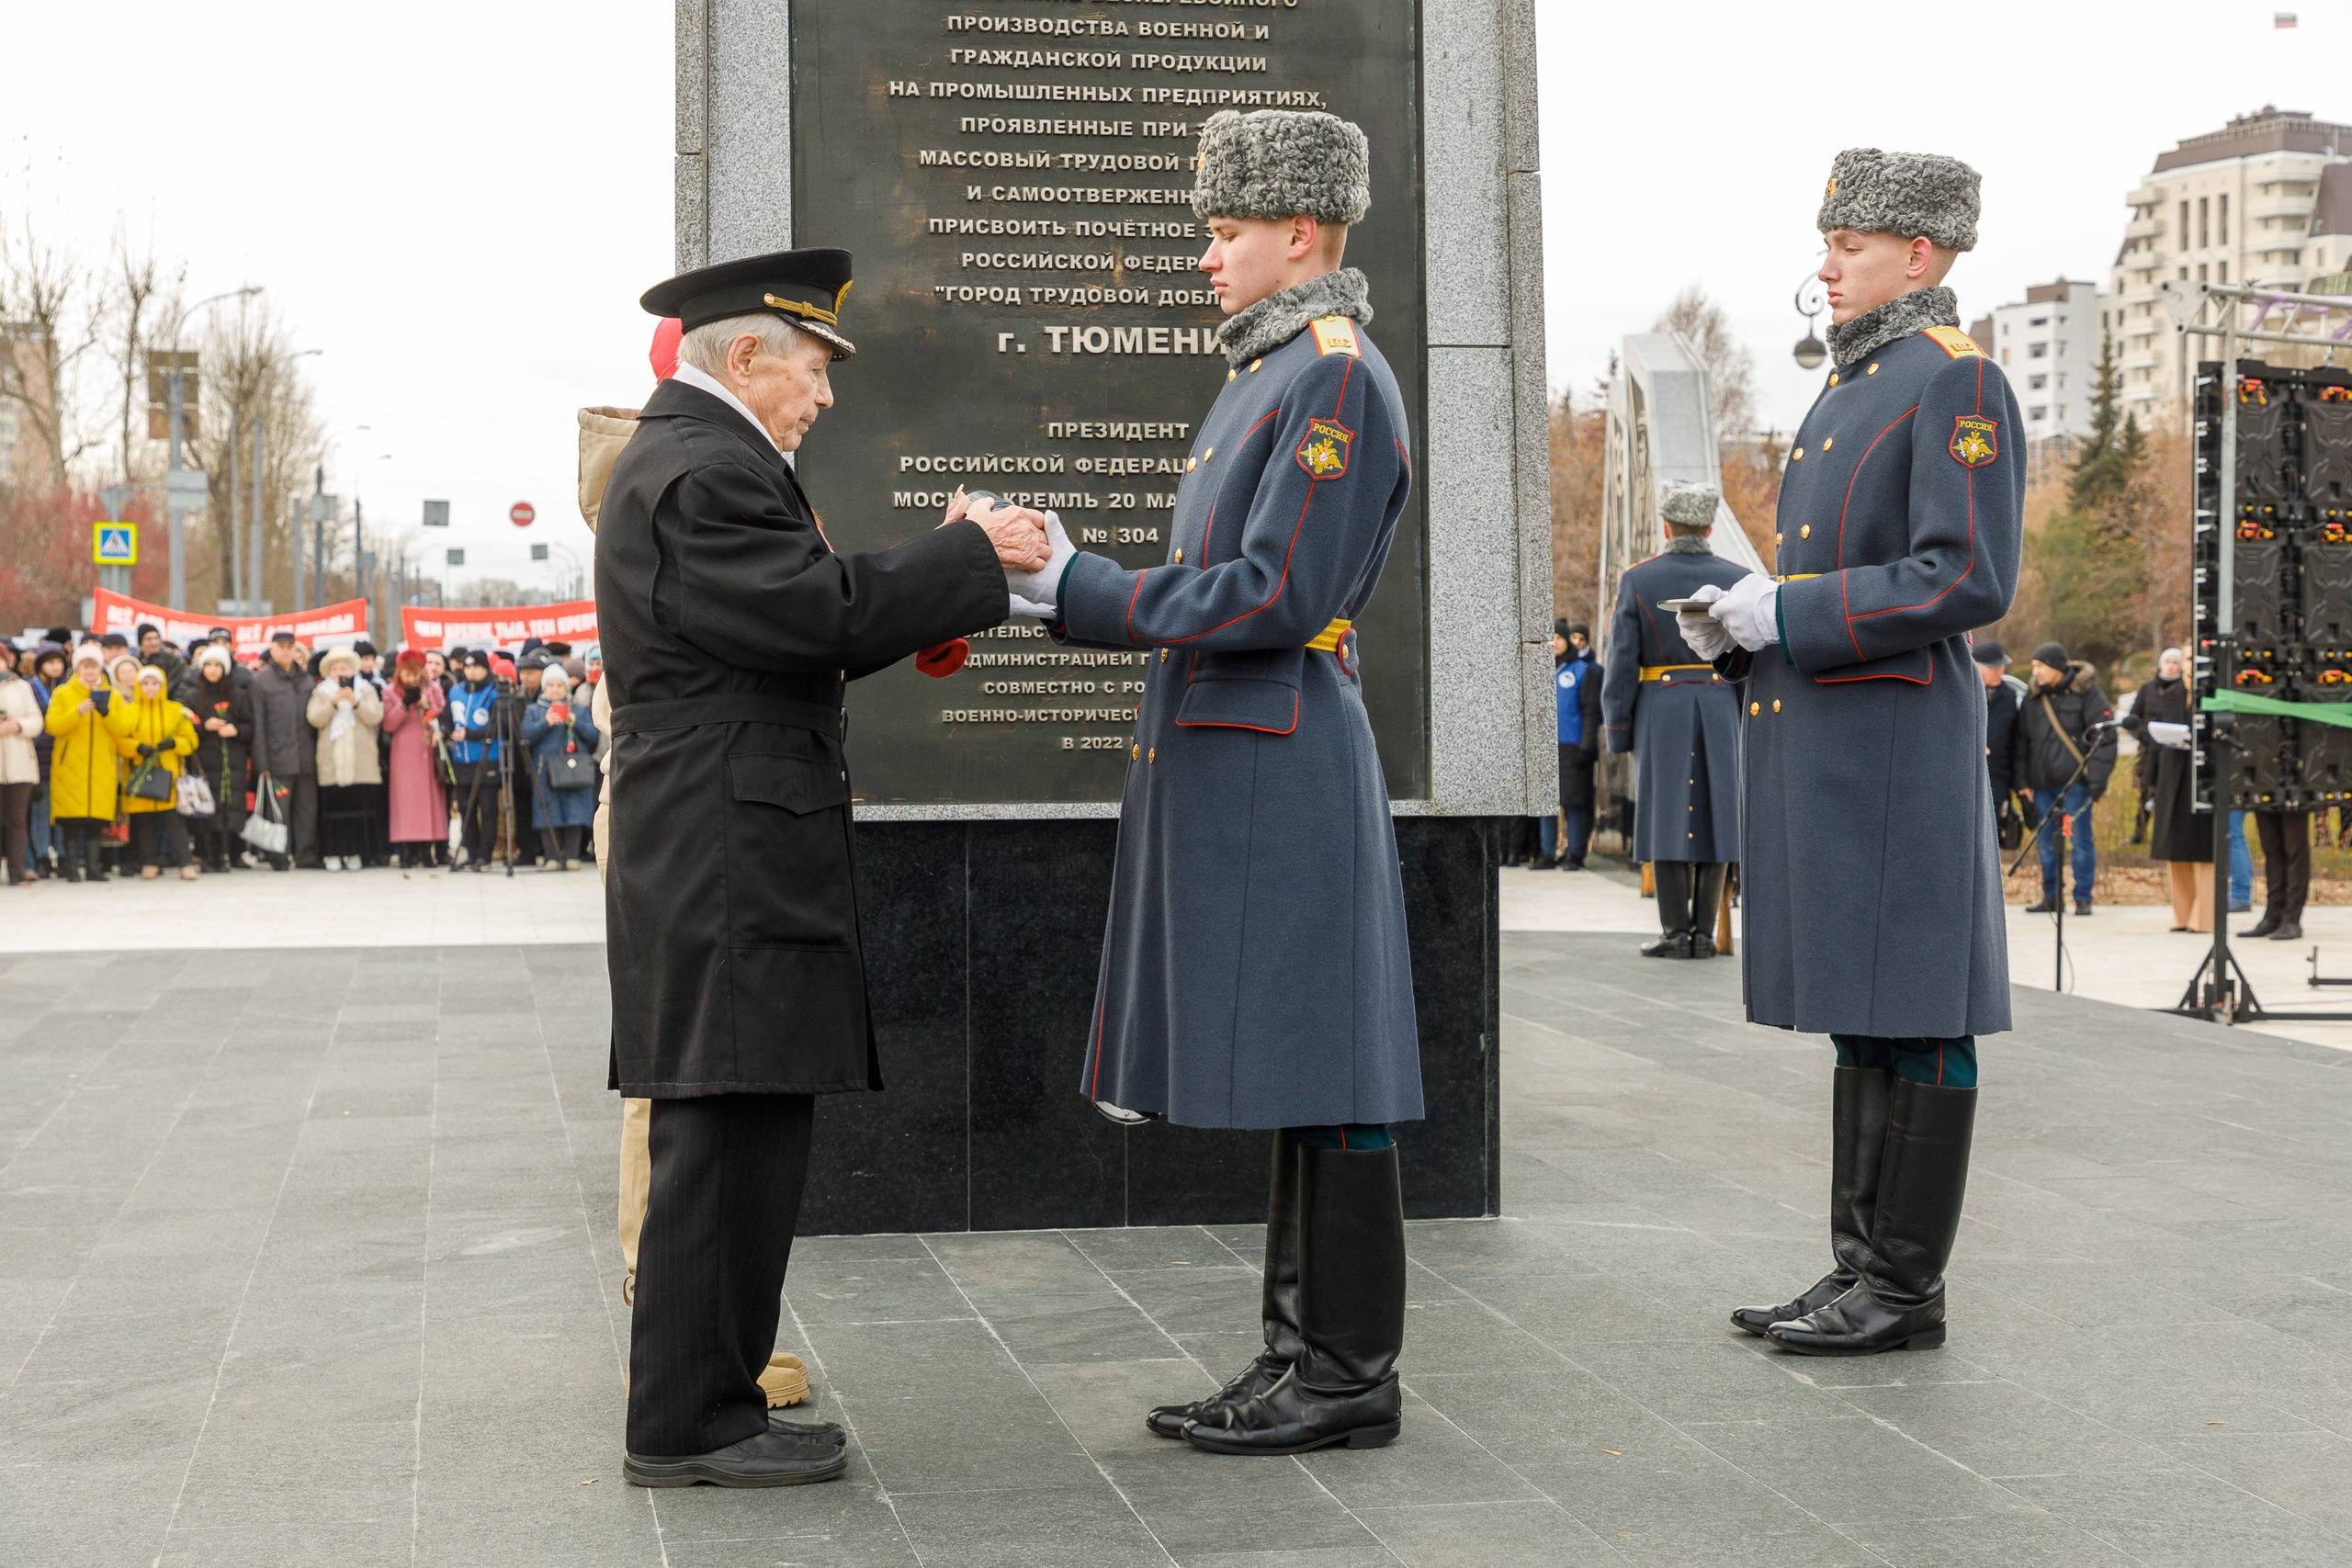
[[1811, 300], [176, 484]]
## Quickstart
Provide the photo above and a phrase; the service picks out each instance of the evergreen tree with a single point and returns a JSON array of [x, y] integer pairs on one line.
[[2102, 468]]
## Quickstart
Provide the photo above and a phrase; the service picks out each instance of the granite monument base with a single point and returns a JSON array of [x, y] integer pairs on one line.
[[983, 940]]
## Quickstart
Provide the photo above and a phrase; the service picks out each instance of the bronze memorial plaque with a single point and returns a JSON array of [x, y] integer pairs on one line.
[[1014, 180]]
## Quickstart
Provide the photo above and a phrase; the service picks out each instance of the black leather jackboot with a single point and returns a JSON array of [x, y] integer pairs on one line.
[[1706, 899], [1673, 879], [1897, 1303], [1281, 1307], [1858, 1111], [1342, 1389]]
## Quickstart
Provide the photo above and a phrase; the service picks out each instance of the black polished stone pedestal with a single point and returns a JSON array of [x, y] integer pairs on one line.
[[982, 943]]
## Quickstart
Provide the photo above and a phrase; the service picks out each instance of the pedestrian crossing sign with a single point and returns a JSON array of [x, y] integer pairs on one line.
[[114, 544]]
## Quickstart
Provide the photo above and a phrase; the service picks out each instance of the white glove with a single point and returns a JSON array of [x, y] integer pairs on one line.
[[1040, 591], [1750, 611], [1700, 629]]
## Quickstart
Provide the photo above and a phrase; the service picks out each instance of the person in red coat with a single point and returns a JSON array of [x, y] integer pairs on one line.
[[420, 808]]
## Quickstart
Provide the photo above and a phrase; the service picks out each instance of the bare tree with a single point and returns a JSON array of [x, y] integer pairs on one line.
[[1731, 369], [48, 322], [249, 378], [143, 291]]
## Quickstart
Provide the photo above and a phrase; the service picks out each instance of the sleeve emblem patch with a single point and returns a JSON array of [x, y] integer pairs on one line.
[[1975, 441], [1324, 451]]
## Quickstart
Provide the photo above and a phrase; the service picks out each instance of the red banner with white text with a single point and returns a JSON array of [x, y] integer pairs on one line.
[[573, 622], [112, 612]]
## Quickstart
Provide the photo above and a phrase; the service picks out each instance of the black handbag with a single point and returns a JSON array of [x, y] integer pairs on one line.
[[2010, 826], [149, 781], [575, 769]]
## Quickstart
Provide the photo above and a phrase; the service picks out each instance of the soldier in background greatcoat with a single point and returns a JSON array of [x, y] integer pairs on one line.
[[1678, 716]]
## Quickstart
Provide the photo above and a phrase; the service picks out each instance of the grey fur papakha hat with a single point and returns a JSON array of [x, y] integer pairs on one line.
[[1689, 505], [1910, 194], [1280, 164]]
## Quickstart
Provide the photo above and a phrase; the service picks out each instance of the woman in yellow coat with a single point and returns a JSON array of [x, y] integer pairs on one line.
[[159, 733], [87, 723]]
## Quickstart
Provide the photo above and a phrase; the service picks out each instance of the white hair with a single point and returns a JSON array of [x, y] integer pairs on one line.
[[705, 348]]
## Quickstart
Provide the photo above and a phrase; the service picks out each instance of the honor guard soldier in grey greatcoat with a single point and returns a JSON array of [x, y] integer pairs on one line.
[[1679, 717], [1869, 878], [1254, 970], [738, 973]]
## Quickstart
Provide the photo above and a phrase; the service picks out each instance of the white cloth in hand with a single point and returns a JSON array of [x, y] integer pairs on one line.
[[1042, 589], [1700, 629], [1750, 611]]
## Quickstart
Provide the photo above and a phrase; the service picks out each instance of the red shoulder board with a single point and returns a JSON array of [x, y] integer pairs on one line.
[[1953, 342]]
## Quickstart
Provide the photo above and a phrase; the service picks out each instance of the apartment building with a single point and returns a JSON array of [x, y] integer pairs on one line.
[[2047, 345], [2234, 205]]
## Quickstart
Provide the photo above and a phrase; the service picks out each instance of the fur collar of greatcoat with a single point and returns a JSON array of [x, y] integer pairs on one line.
[[1899, 317], [1278, 318]]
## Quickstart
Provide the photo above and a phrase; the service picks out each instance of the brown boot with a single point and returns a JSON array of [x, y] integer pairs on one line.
[[785, 1382]]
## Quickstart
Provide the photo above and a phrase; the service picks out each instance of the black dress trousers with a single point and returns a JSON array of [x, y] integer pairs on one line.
[[727, 1174], [2286, 861]]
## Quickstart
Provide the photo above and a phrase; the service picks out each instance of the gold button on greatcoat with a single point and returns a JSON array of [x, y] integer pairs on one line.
[[1805, 532], [1833, 377], [1775, 704], [1207, 455], [1230, 375], [1872, 371], [1778, 538], [1253, 366], [1755, 708], [1163, 655], [1180, 558], [1153, 756], [1827, 441], [1135, 755], [1797, 456], [1191, 463]]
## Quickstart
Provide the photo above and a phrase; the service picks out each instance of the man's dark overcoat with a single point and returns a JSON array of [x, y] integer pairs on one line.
[[1255, 971], [1870, 888], [730, 627], [1680, 721]]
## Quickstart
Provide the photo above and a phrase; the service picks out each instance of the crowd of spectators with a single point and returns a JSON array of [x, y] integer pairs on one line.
[[133, 754]]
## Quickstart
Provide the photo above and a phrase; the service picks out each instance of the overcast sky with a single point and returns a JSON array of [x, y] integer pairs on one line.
[[459, 203]]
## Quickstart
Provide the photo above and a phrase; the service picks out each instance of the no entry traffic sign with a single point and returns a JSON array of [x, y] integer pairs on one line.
[[522, 515]]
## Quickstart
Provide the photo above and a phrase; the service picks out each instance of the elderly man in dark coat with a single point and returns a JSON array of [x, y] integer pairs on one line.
[[1870, 884], [738, 981], [1255, 971], [1678, 716]]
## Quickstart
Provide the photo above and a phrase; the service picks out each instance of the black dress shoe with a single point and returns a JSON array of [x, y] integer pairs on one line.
[[833, 1432], [1279, 1307], [2290, 932], [1858, 1100], [1897, 1303], [2263, 927], [1572, 865], [2082, 911], [1342, 1392], [2047, 906], [771, 1458], [1673, 945]]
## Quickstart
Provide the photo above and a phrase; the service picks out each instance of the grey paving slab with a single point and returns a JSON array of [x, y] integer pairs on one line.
[[325, 1271]]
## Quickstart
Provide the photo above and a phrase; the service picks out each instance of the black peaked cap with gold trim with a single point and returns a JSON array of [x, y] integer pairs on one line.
[[805, 287]]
